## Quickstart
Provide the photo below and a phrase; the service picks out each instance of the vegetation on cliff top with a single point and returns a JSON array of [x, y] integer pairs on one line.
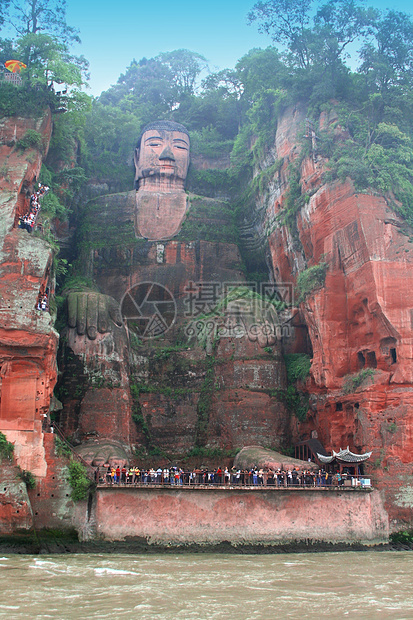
[[233, 114]]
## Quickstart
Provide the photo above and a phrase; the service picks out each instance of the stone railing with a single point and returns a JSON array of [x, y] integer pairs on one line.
[[185, 481]]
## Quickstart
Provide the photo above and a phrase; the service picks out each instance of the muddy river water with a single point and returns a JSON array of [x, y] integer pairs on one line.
[[376, 585]]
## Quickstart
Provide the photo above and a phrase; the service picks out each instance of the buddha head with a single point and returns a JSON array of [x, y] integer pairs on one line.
[[162, 157]]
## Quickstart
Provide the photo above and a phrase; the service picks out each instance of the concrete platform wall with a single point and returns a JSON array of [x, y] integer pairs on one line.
[[186, 516]]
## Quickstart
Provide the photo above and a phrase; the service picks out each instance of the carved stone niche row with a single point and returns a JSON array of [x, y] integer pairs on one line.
[[387, 355]]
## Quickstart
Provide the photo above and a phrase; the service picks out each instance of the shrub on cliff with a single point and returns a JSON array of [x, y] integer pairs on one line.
[[79, 481], [296, 400], [352, 382], [297, 366], [32, 139], [311, 278], [28, 478], [6, 448]]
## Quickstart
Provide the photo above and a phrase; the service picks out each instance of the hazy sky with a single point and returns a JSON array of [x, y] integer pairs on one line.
[[113, 33]]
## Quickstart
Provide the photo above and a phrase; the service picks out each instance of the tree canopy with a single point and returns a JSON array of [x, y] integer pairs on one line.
[[41, 16]]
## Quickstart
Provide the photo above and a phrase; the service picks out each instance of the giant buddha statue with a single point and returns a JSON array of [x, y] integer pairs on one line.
[[160, 234], [161, 161]]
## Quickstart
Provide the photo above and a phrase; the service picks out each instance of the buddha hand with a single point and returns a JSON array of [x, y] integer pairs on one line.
[[91, 312]]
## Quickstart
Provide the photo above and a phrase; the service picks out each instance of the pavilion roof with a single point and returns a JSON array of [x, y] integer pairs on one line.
[[345, 456]]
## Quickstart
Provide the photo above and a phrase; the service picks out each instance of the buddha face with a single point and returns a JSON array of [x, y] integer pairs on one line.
[[162, 155]]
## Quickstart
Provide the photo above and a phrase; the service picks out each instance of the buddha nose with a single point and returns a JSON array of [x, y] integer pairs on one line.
[[167, 154]]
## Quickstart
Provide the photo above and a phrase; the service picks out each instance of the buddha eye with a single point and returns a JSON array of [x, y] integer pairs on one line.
[[155, 143]]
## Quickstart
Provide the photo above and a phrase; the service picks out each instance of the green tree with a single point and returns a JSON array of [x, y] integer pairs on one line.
[[146, 89], [387, 60], [4, 5], [229, 87], [287, 21], [6, 50], [185, 67], [315, 39], [261, 69], [309, 39], [111, 135], [6, 448], [47, 61], [42, 16]]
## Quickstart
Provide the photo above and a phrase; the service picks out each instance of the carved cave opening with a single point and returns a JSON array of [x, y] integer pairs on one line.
[[367, 360], [371, 359], [388, 350]]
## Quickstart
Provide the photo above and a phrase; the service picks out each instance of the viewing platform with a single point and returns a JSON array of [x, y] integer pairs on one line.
[[179, 515]]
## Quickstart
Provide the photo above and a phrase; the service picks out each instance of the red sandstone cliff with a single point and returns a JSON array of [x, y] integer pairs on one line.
[[360, 319], [28, 341]]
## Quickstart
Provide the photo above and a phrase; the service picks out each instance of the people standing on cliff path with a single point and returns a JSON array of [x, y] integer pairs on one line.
[[28, 220], [129, 475], [123, 475], [108, 470], [118, 475]]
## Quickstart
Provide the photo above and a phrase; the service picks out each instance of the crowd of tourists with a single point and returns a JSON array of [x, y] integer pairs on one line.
[[134, 476], [28, 220]]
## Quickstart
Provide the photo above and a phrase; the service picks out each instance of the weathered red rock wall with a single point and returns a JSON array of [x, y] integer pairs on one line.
[[360, 318], [19, 167], [240, 517], [15, 509], [28, 341], [50, 500]]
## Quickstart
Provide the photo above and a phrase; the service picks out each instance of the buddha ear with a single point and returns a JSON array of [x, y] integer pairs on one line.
[[136, 159]]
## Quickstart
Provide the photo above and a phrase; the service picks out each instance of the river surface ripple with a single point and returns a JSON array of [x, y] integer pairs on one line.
[[208, 587]]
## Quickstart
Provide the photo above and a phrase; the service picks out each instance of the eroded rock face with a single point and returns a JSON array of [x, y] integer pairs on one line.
[[28, 341], [256, 456], [19, 167], [360, 320], [15, 509]]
